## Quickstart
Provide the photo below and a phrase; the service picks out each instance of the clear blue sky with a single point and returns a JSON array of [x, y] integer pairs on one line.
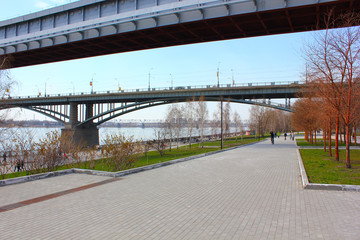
[[261, 59]]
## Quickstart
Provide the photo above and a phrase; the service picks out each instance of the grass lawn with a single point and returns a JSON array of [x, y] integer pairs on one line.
[[319, 143], [321, 168], [154, 157]]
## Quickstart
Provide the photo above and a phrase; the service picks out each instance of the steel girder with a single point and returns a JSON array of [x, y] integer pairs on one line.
[[107, 115], [57, 116], [116, 112]]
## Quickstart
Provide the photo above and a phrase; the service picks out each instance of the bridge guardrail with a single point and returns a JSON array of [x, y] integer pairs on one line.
[[177, 88]]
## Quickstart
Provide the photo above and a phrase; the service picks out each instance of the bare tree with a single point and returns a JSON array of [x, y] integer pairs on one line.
[[160, 135], [189, 114], [202, 114], [215, 123], [173, 124], [237, 123], [23, 147], [6, 85], [333, 59], [227, 118], [178, 123], [305, 116], [258, 119], [169, 124]]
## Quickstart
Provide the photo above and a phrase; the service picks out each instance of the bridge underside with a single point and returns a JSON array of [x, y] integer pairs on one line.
[[285, 20]]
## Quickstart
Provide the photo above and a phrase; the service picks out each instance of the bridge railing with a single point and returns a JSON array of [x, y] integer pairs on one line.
[[176, 88]]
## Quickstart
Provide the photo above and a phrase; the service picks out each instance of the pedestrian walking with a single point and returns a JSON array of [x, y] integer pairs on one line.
[[17, 165], [22, 163], [285, 134], [272, 135], [292, 135]]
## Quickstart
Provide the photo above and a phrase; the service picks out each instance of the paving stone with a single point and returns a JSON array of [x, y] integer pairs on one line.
[[252, 192]]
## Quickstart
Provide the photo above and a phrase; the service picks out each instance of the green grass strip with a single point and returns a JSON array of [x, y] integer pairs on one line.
[[319, 143], [321, 168]]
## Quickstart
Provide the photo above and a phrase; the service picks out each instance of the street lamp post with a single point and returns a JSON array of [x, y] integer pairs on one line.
[[73, 87], [259, 126], [221, 123], [92, 84], [119, 88], [218, 77], [232, 78], [171, 80], [149, 78]]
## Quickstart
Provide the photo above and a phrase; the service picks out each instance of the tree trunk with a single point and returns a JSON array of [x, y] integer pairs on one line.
[[329, 136], [348, 165], [337, 123], [351, 134], [324, 138], [171, 137], [315, 137]]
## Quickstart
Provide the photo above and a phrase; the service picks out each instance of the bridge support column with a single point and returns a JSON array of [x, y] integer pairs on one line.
[[84, 135], [73, 119], [89, 110], [287, 102]]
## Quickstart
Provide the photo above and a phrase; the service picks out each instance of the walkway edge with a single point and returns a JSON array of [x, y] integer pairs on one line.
[[34, 177], [319, 186]]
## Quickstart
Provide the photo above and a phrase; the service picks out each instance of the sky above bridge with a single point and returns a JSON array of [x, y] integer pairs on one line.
[[262, 59]]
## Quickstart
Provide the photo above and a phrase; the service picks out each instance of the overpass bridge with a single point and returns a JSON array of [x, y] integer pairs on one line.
[[81, 113], [96, 27]]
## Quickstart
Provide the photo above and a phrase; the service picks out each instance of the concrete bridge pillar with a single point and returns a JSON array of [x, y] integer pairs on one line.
[[84, 135], [89, 111], [287, 102], [73, 118]]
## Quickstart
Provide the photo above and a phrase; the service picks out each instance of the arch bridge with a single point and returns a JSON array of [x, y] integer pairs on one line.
[[81, 113]]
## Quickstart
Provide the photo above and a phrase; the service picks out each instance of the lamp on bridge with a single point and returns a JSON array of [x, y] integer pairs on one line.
[[118, 84], [218, 75], [92, 84], [232, 78], [149, 77]]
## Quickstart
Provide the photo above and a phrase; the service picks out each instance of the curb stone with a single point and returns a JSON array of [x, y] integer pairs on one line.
[[34, 177], [39, 176], [320, 186]]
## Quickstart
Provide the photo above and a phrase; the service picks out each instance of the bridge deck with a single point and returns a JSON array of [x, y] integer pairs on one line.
[[248, 91]]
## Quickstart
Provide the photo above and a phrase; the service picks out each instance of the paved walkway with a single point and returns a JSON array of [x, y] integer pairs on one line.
[[252, 192]]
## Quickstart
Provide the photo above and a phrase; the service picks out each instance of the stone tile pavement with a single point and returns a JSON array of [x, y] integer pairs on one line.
[[253, 192]]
